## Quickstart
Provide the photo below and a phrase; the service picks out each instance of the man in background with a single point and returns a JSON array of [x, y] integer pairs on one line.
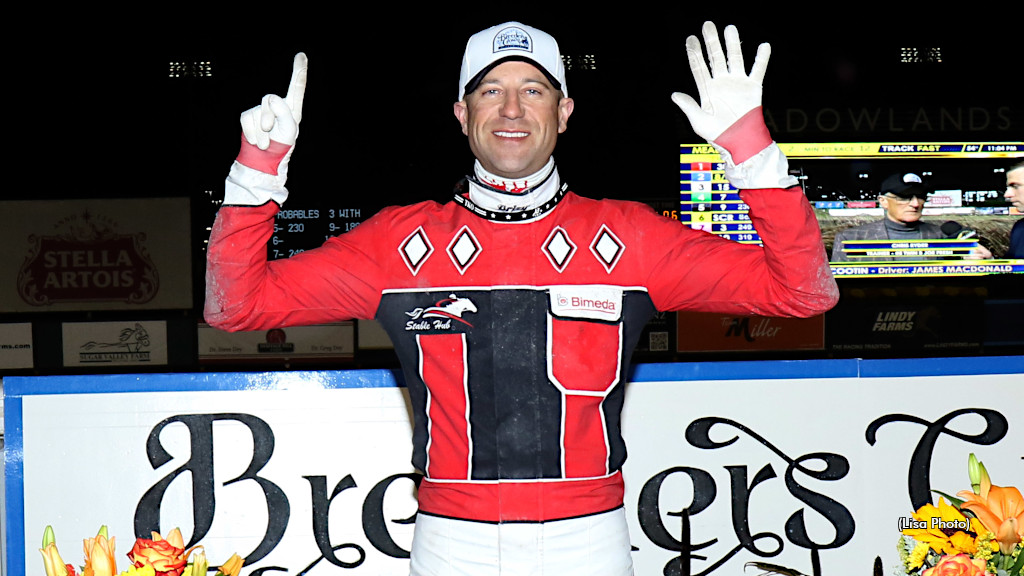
[[1015, 196], [902, 196]]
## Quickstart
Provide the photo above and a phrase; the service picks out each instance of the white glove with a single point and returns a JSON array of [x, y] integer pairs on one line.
[[729, 113], [269, 132], [278, 118]]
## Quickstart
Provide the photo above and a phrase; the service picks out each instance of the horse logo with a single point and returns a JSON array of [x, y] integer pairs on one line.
[[451, 307], [130, 340]]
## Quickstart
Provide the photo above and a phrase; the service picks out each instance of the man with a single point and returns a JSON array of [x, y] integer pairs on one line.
[[514, 308], [902, 197], [1015, 196]]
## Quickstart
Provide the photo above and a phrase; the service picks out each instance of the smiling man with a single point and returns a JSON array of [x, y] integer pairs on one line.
[[514, 308], [513, 116]]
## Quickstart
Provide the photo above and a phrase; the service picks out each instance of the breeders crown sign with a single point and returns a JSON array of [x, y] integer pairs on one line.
[[817, 469], [87, 260]]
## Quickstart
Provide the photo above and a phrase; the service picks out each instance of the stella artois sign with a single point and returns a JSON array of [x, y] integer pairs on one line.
[[100, 254], [88, 261]]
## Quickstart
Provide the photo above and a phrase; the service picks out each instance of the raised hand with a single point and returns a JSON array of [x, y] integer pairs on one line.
[[729, 113], [268, 138], [278, 118]]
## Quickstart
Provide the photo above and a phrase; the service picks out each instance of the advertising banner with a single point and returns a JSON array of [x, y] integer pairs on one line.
[[812, 465], [907, 324], [15, 346], [706, 332], [323, 342], [117, 254], [127, 343]]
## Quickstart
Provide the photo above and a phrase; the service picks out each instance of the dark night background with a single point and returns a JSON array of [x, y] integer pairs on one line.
[[107, 121]]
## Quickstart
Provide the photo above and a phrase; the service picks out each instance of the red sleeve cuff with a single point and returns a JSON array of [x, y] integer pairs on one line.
[[746, 137], [266, 161]]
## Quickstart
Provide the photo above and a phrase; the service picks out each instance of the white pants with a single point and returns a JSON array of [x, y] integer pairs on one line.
[[595, 545]]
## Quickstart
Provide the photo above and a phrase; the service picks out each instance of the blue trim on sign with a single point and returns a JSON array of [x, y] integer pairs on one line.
[[749, 370], [942, 366], [201, 382], [14, 485]]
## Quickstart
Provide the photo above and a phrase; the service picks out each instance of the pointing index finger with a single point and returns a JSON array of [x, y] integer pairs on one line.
[[297, 86]]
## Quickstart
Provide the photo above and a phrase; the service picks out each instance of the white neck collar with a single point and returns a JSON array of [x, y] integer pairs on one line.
[[498, 194], [517, 200]]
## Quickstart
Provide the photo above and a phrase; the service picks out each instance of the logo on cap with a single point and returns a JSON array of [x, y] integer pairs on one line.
[[512, 38]]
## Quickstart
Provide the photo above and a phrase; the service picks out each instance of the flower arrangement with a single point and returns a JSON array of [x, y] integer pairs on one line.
[[977, 533], [155, 556]]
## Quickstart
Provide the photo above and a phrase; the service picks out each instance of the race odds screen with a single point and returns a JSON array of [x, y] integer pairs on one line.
[[841, 179]]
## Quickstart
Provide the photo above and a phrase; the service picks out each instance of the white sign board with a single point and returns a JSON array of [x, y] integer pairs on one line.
[[792, 463]]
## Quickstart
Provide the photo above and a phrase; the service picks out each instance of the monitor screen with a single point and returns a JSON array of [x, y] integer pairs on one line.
[[967, 219]]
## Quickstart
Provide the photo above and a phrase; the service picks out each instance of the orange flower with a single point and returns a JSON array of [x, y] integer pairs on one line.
[[52, 561], [166, 555], [1000, 509], [99, 555], [233, 566], [959, 565]]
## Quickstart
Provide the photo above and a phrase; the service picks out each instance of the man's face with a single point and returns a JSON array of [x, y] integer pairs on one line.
[[1015, 188], [513, 119], [902, 210]]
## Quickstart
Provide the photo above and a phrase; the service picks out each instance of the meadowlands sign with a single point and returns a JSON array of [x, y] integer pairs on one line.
[[872, 121], [811, 465]]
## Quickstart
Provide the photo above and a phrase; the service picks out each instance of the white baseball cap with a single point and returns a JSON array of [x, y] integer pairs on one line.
[[510, 41]]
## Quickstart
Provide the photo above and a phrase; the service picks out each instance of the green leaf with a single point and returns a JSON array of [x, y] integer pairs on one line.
[[952, 499], [1018, 567]]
